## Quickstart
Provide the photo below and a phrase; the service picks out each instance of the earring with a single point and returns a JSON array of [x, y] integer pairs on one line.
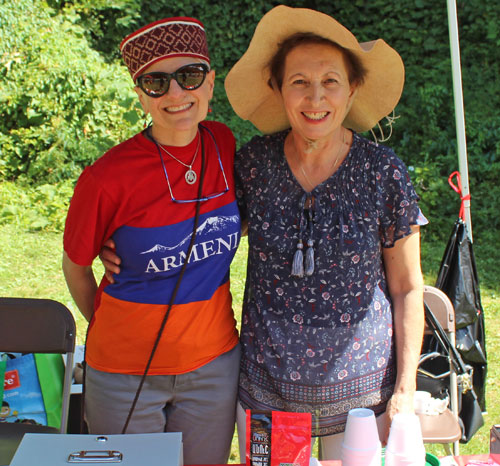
[[209, 108], [146, 122]]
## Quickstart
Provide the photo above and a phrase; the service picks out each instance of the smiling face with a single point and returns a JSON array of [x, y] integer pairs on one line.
[[176, 114], [316, 92]]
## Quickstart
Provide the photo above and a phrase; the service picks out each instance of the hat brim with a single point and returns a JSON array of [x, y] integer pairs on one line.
[[247, 82]]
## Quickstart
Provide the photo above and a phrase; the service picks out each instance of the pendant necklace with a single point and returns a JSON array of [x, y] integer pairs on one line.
[[334, 164], [190, 176]]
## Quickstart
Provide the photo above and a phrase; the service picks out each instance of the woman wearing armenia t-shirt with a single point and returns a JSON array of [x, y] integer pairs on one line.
[[163, 195]]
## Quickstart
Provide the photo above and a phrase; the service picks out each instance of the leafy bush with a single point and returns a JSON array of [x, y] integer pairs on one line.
[[34, 208], [61, 105]]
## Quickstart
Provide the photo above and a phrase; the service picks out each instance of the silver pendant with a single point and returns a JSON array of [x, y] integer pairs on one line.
[[190, 176]]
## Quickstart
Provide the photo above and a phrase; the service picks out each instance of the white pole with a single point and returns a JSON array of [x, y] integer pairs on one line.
[[459, 108]]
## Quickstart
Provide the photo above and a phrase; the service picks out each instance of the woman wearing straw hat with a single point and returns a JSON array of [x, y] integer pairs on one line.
[[333, 308], [162, 349]]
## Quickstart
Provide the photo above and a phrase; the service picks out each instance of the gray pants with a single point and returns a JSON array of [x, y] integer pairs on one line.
[[201, 404]]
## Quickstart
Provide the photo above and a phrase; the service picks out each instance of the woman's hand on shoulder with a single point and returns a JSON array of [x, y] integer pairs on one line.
[[244, 227], [109, 259]]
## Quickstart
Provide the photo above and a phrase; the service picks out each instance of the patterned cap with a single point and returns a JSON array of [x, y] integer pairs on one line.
[[169, 37]]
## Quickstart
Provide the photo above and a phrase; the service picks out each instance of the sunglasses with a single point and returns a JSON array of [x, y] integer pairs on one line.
[[189, 78]]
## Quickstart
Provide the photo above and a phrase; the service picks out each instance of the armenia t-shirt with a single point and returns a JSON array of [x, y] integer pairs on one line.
[[126, 195]]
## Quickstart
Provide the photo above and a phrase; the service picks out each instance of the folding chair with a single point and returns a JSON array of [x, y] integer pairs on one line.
[[35, 326], [443, 428]]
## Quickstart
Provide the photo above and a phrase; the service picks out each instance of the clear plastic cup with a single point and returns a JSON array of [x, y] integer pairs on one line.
[[361, 431], [361, 443], [392, 459], [405, 446], [355, 457]]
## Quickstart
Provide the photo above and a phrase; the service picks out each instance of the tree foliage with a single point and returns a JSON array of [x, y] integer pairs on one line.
[[65, 97], [61, 106]]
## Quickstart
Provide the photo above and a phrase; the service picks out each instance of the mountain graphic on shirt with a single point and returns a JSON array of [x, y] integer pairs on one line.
[[211, 224]]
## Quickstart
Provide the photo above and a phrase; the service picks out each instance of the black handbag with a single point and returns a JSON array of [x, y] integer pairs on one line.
[[434, 372], [470, 415]]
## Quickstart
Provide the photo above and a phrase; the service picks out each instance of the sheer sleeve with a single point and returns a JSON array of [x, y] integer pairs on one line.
[[396, 199]]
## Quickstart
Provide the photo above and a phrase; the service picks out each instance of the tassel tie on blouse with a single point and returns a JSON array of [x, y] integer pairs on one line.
[[301, 267]]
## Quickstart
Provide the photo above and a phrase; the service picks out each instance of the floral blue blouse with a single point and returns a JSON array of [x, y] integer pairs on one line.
[[321, 343]]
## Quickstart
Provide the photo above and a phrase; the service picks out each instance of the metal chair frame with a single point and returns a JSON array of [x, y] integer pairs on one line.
[[442, 308]]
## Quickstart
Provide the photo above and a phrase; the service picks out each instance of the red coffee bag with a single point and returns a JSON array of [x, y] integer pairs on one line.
[[278, 438]]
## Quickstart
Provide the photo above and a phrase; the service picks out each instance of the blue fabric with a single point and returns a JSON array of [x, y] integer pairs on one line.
[[152, 258]]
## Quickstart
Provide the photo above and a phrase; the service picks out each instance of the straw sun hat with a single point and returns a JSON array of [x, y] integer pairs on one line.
[[247, 83]]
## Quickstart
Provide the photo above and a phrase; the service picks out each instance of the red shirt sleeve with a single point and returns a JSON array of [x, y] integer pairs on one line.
[[88, 220]]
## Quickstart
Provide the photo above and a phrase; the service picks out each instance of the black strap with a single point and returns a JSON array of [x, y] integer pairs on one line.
[[444, 341], [174, 293]]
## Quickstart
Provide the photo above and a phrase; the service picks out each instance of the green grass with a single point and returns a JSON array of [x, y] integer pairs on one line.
[[30, 266]]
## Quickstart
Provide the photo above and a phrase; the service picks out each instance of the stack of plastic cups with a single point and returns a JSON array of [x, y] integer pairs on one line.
[[361, 444], [405, 446]]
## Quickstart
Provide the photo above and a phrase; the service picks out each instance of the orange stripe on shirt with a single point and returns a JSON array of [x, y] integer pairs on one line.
[[122, 335]]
